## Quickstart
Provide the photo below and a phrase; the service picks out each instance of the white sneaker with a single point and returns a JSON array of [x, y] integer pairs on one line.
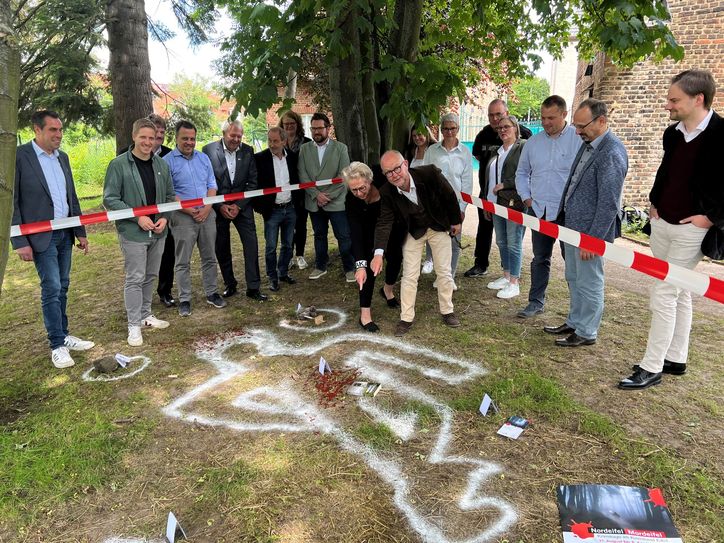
[[499, 283], [76, 344], [511, 290], [61, 358], [153, 322], [135, 338], [301, 263], [427, 267]]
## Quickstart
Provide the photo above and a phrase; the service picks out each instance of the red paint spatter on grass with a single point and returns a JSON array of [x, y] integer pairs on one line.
[[332, 386], [582, 529], [656, 498]]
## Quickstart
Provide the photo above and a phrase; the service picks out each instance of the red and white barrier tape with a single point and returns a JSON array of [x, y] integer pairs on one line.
[[111, 216], [699, 283]]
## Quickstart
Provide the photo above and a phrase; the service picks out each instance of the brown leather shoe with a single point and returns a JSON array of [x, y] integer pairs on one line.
[[451, 320], [402, 328]]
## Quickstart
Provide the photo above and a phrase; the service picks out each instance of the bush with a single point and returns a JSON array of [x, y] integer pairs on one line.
[[89, 160]]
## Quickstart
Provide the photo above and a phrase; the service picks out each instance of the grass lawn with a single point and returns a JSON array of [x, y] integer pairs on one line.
[[86, 461]]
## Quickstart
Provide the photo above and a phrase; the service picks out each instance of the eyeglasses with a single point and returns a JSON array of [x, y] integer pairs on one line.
[[394, 171], [318, 128], [505, 127], [361, 188], [581, 127], [449, 128]]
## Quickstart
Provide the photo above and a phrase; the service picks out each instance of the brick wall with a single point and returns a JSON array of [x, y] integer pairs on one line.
[[304, 105], [637, 96]]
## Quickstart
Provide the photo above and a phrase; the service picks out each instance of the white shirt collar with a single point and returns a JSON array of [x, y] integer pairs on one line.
[[699, 128], [39, 150]]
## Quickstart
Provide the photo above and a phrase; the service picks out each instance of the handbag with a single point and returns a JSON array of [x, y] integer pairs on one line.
[[713, 243], [508, 197]]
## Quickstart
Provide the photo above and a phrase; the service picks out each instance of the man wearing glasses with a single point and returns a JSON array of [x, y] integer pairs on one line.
[[589, 204], [423, 200], [325, 158]]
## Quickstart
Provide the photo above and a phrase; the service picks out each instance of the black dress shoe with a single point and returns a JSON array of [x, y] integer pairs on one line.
[[288, 279], [369, 327], [640, 379], [230, 291], [574, 340], [167, 300], [254, 294], [391, 302], [273, 285], [562, 329], [672, 368]]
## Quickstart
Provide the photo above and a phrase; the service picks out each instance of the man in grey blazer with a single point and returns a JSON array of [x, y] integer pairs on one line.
[[325, 158], [44, 191], [590, 204], [235, 171]]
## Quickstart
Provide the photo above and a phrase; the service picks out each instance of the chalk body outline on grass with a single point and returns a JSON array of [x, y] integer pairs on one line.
[[282, 399]]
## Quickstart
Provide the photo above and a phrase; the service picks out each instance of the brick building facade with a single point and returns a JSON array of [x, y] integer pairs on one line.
[[637, 96]]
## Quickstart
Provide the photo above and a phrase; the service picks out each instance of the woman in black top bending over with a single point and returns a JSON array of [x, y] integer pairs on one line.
[[363, 209]]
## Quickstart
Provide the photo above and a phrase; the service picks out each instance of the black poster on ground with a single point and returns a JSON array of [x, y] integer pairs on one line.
[[615, 514]]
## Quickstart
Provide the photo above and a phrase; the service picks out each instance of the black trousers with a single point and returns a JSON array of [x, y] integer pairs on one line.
[[300, 227], [483, 241], [393, 266], [165, 272], [244, 224]]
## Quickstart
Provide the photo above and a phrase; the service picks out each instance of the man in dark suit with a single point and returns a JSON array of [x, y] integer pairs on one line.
[[277, 168], [590, 203], [687, 201], [424, 201], [44, 191], [235, 171]]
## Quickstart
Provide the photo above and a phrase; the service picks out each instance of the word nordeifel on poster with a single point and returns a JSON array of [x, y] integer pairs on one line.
[[615, 514]]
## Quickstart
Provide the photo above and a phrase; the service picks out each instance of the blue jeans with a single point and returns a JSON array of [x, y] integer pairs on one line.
[[281, 221], [540, 266], [340, 227], [509, 238], [53, 266], [585, 284]]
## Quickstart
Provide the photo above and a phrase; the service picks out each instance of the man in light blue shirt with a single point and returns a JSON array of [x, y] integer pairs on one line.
[[193, 177], [541, 175], [44, 191]]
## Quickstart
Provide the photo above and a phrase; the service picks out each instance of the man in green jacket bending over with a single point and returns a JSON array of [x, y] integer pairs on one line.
[[138, 178]]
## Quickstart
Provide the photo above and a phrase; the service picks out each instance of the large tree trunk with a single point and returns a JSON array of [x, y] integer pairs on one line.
[[128, 67], [404, 42], [346, 90], [369, 104], [9, 87], [291, 89]]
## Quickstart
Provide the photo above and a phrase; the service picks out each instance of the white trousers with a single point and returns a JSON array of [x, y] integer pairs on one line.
[[670, 305]]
